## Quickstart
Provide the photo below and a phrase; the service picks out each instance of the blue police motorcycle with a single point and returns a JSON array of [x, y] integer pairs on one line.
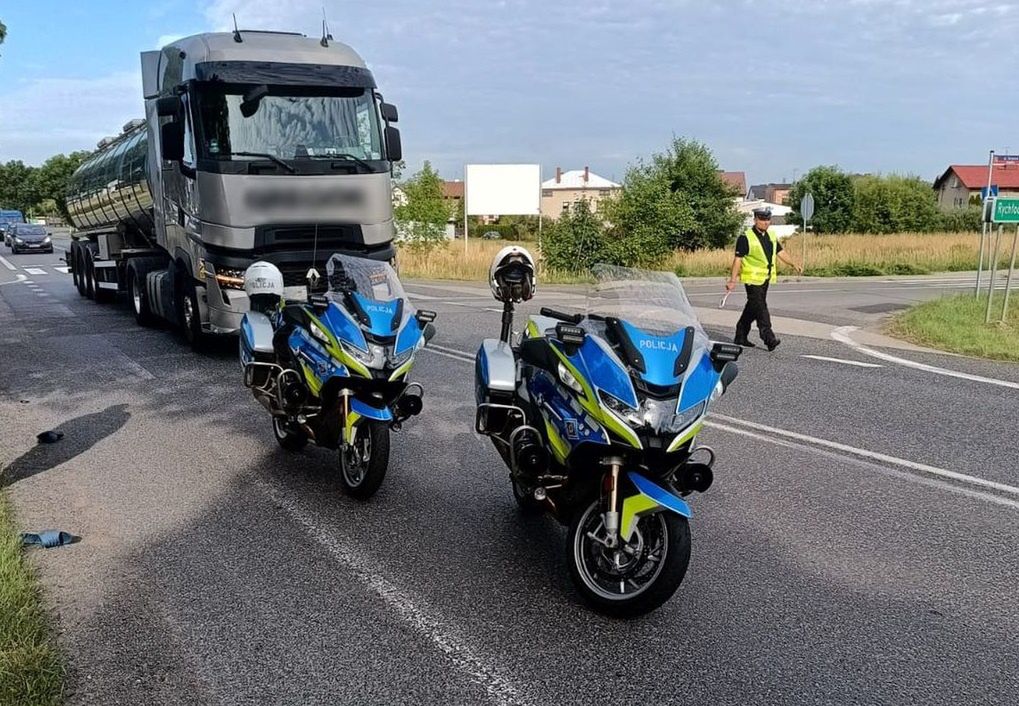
[[595, 414], [333, 369]]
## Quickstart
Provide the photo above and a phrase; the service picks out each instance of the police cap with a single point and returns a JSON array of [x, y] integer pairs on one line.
[[763, 212]]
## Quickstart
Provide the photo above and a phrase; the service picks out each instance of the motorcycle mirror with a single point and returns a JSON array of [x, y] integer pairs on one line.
[[428, 332], [722, 353], [729, 373], [424, 316]]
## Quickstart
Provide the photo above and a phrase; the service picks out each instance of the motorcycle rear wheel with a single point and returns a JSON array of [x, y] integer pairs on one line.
[[636, 577], [364, 463]]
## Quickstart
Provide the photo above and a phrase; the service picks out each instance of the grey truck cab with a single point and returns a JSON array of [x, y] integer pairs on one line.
[[255, 146]]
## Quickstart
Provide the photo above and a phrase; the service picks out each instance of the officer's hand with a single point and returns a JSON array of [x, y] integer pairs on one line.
[[799, 269], [730, 285]]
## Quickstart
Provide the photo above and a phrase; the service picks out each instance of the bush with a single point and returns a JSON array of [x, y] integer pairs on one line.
[[576, 241], [963, 220]]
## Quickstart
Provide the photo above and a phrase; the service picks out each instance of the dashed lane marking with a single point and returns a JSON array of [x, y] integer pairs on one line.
[[5, 263], [35, 271]]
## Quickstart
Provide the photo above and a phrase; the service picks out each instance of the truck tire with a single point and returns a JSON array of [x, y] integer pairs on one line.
[[87, 272], [72, 265], [189, 316], [138, 295]]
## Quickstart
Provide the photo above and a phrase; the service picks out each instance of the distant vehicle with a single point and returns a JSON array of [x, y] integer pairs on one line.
[[491, 235], [28, 237], [7, 217]]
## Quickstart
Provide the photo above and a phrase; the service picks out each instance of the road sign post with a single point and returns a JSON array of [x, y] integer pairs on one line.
[[983, 226], [1008, 280], [807, 211]]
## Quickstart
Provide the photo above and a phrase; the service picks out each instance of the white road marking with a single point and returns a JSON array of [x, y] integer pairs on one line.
[[35, 271], [873, 455], [63, 268], [21, 279], [842, 360], [500, 689], [450, 352], [842, 335], [883, 470], [6, 264]]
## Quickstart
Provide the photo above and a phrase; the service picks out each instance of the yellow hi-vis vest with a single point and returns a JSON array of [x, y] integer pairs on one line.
[[755, 268]]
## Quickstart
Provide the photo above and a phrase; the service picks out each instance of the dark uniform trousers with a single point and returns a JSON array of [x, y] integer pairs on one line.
[[756, 310]]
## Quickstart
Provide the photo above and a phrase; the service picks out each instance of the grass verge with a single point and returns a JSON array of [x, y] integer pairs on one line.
[[31, 670], [956, 324], [848, 255]]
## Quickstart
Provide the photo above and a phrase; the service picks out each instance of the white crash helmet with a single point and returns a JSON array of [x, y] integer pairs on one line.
[[512, 275], [263, 283]]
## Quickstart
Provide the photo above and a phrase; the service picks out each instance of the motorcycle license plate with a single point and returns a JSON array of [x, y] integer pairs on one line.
[[299, 292]]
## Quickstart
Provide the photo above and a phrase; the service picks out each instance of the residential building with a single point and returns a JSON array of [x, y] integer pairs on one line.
[[559, 193], [453, 195], [772, 193], [962, 184], [737, 180]]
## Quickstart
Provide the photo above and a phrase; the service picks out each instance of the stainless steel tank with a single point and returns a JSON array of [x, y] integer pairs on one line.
[[109, 191]]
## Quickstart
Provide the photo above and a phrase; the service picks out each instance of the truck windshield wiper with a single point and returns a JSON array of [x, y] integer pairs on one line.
[[341, 155], [270, 157]]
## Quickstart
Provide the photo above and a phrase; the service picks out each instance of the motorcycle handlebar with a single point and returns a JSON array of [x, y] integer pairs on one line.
[[569, 318]]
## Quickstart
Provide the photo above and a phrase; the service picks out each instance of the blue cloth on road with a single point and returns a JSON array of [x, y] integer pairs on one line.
[[48, 538]]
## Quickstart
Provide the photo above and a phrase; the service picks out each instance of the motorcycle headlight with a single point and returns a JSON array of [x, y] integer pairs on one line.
[[396, 360], [374, 357], [683, 419], [567, 378], [628, 413], [318, 333]]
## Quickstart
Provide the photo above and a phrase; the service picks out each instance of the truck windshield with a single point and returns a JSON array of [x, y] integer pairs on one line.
[[290, 123]]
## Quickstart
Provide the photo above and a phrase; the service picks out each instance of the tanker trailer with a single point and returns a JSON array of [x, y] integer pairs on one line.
[[255, 146]]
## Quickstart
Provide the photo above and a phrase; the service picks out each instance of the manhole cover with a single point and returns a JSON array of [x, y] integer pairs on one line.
[[879, 308]]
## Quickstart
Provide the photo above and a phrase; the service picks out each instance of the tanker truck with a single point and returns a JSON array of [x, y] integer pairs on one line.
[[255, 146]]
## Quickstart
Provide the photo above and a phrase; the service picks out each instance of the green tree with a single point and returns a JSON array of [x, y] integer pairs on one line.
[[576, 241], [678, 198], [833, 199], [421, 221], [894, 204], [51, 178], [3, 32], [18, 186]]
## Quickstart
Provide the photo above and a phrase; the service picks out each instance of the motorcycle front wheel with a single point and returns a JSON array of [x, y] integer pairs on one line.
[[288, 435], [635, 577], [363, 464]]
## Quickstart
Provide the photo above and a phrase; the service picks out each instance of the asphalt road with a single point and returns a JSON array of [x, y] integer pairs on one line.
[[859, 545]]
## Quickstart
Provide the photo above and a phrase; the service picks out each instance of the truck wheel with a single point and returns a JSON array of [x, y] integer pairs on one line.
[[72, 265], [139, 296], [87, 273], [79, 270], [189, 315]]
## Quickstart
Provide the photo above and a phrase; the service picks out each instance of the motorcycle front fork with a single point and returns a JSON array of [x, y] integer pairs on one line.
[[611, 515]]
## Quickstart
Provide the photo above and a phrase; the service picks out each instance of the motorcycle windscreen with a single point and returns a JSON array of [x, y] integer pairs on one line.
[[373, 289]]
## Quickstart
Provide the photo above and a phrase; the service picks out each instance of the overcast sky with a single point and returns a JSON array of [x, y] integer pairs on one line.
[[772, 86]]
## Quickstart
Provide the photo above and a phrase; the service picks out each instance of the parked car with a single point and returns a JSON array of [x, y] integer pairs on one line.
[[28, 237], [491, 235]]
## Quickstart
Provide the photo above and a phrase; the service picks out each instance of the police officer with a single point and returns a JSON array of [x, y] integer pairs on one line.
[[754, 266]]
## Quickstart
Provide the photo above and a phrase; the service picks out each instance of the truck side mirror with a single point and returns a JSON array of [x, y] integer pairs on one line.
[[168, 107], [389, 113], [171, 142], [394, 148]]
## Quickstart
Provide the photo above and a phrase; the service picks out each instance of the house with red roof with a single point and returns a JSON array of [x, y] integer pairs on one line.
[[961, 184]]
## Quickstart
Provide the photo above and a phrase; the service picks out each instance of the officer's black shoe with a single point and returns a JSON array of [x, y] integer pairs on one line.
[[744, 341], [772, 344]]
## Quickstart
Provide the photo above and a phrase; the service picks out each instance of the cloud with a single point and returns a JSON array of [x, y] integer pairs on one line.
[[40, 117]]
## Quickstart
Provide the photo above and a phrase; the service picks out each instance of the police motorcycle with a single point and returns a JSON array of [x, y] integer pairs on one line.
[[596, 413], [333, 369]]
